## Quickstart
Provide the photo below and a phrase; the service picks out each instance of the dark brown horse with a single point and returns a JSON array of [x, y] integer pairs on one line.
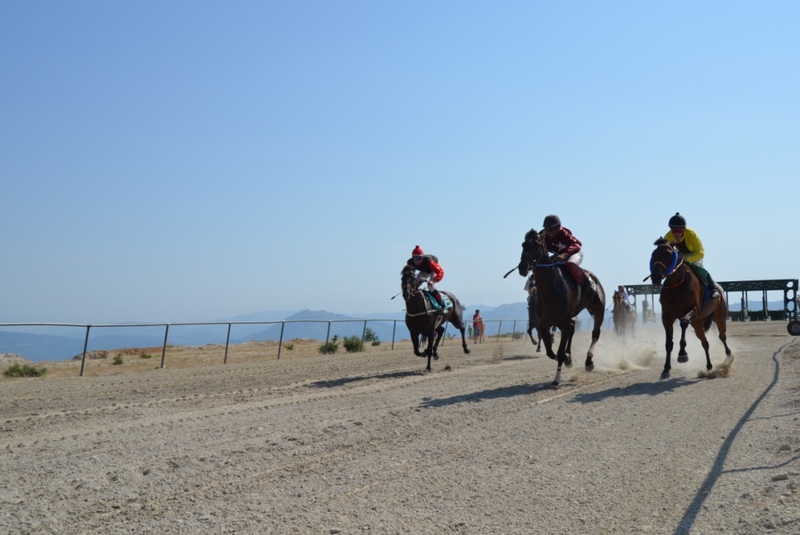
[[624, 318], [423, 319], [683, 297], [533, 320], [559, 300]]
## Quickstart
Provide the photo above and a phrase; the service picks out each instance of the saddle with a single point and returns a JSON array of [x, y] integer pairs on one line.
[[434, 303]]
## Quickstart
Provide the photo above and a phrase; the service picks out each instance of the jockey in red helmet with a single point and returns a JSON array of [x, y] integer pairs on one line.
[[428, 270]]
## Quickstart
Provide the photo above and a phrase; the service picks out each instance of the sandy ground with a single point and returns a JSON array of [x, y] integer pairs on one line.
[[365, 443]]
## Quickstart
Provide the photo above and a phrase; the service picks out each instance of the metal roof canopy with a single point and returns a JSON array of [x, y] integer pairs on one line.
[[787, 286]]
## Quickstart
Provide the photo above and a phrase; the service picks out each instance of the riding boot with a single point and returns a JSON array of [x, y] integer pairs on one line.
[[439, 299], [712, 288]]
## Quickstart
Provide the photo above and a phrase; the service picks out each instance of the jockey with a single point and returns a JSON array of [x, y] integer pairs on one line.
[[428, 270], [624, 297], [686, 241], [567, 248], [624, 294]]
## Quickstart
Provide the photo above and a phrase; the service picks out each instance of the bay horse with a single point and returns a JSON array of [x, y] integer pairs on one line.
[[423, 319], [559, 301], [624, 319], [683, 297]]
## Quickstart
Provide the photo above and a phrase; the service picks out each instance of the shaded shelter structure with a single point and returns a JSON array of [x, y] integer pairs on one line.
[[644, 296]]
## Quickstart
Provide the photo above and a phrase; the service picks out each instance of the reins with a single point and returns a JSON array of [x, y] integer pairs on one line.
[[677, 262], [685, 274]]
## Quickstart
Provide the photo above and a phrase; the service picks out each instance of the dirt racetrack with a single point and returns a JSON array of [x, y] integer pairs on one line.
[[365, 443]]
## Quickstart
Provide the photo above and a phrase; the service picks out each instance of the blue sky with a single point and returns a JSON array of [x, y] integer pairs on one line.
[[191, 161]]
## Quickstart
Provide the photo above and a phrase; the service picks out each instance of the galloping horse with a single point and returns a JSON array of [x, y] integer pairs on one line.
[[683, 297], [533, 320], [624, 319], [559, 301], [423, 319]]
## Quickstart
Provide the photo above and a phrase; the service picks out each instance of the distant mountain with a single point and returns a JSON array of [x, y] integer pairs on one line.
[[320, 324], [38, 347], [512, 311], [736, 305]]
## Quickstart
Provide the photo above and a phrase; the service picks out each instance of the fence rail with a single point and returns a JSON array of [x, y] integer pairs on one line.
[[166, 326]]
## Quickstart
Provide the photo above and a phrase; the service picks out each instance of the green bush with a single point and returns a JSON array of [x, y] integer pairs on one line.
[[23, 370], [353, 344], [517, 335], [370, 336], [117, 360], [331, 347], [288, 346], [142, 356]]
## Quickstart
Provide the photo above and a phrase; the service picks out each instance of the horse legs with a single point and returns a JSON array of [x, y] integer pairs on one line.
[[564, 348], [701, 334], [668, 329], [530, 335], [589, 365], [439, 332], [567, 344], [683, 356], [464, 340], [721, 326], [415, 343], [545, 334], [720, 319], [538, 344]]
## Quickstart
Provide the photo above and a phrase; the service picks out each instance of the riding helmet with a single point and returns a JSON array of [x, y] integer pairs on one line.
[[551, 221], [677, 220], [417, 251]]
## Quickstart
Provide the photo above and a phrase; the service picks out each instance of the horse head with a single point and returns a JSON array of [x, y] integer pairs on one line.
[[533, 251], [664, 260], [408, 282]]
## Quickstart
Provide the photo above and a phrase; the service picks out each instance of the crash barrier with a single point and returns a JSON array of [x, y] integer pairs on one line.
[[494, 328]]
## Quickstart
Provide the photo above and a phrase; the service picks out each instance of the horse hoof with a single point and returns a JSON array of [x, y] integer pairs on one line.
[[554, 385], [435, 356], [708, 367], [664, 375], [589, 366], [683, 358], [552, 357], [568, 362]]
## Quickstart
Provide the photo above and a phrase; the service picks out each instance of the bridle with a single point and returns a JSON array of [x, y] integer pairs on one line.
[[669, 269]]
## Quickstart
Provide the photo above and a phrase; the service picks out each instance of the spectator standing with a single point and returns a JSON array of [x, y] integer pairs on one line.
[[477, 327]]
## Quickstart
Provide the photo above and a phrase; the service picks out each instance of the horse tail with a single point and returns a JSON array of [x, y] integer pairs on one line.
[[707, 323]]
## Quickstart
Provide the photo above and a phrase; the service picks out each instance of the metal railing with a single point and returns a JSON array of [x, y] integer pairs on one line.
[[230, 324]]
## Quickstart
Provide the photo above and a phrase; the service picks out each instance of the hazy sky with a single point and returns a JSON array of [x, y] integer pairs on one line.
[[194, 160]]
